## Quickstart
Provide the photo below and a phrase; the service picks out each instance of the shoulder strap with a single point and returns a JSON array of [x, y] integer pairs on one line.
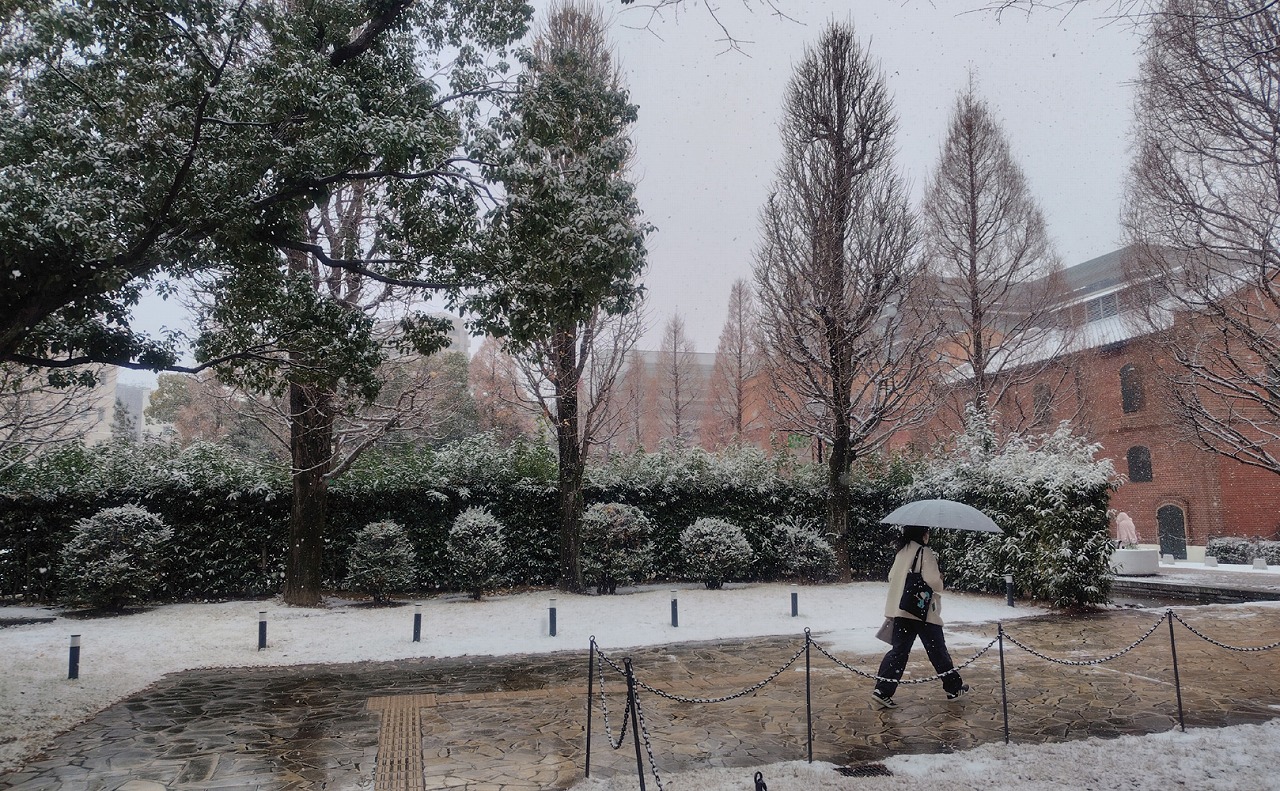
[[916, 560]]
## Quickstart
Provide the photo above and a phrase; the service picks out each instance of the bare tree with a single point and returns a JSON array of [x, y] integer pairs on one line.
[[1203, 210], [502, 404], [604, 344], [836, 267], [996, 275], [35, 415], [734, 375], [678, 381]]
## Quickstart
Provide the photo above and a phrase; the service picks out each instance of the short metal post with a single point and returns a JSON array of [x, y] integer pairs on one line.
[[635, 725], [417, 623], [262, 629], [808, 694], [795, 602], [551, 617], [1177, 683], [73, 660], [675, 610], [1004, 687], [1008, 589], [591, 677]]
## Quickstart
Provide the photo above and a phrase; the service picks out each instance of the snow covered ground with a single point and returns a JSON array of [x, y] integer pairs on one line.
[[122, 655]]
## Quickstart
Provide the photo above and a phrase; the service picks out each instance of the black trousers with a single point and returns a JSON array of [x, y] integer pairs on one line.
[[905, 631]]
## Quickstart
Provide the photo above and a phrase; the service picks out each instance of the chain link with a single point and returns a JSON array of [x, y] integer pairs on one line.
[[1087, 662], [739, 694], [874, 677], [648, 745], [1207, 638], [604, 706]]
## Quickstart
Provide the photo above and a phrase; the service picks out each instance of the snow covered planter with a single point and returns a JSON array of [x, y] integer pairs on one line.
[[715, 551], [1048, 493], [477, 551], [802, 552], [616, 549], [1134, 562], [381, 561], [115, 556]]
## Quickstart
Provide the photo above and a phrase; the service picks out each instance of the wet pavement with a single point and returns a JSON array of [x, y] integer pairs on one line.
[[516, 723]]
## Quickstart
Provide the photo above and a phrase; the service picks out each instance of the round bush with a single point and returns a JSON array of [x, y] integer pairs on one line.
[[802, 551], [616, 549], [115, 556], [477, 551], [381, 561], [715, 551]]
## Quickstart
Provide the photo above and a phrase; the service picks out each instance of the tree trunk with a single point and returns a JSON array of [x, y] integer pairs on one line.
[[571, 461], [310, 437], [838, 497]]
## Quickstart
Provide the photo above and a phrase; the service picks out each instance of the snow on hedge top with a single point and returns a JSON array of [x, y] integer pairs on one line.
[[1057, 461]]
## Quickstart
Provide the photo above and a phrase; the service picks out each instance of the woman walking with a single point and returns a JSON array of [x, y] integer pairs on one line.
[[914, 554]]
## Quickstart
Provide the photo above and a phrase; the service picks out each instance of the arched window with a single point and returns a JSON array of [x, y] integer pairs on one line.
[[1139, 458], [1131, 397]]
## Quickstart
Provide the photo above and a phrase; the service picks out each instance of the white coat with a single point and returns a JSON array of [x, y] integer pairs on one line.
[[898, 578]]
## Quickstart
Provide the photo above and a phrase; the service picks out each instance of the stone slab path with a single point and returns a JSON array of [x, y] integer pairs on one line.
[[517, 723]]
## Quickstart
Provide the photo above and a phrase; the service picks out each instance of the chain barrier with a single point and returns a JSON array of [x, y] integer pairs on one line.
[[925, 680], [648, 745], [1207, 638], [608, 731], [1087, 662], [742, 693]]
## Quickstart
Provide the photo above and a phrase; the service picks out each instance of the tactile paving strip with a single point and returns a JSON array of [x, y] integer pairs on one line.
[[399, 766]]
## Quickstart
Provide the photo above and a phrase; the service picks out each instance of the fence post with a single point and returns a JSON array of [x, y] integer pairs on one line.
[[591, 676], [1004, 689], [808, 693], [1177, 683], [635, 725]]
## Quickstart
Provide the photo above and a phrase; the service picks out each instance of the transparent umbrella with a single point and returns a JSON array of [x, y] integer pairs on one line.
[[943, 514]]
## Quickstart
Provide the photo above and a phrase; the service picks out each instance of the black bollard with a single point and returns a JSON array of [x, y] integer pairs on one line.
[[551, 617], [417, 623], [262, 629], [795, 602], [1008, 589], [675, 610], [73, 662]]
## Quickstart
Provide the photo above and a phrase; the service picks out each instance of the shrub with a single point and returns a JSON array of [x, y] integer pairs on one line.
[[381, 561], [476, 550], [1243, 550], [115, 556], [616, 549], [715, 551], [802, 551]]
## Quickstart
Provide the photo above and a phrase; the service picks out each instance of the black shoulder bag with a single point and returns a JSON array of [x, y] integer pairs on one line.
[[917, 595]]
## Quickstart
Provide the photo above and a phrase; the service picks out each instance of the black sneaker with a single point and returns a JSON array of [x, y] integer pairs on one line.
[[959, 693], [883, 702]]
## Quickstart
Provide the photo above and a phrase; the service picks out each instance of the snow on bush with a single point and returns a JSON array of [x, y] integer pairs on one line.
[[715, 551], [381, 561], [803, 553], [477, 551], [1048, 493], [1229, 549], [115, 556], [616, 546], [676, 466]]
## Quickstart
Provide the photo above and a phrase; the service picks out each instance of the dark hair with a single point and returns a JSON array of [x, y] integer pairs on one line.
[[912, 533]]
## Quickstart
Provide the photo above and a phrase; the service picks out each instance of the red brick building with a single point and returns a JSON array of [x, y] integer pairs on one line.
[[1178, 495]]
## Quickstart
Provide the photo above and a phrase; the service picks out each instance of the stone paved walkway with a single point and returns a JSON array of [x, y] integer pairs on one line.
[[516, 723]]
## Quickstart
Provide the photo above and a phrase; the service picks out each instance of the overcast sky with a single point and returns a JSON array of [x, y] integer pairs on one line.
[[707, 134]]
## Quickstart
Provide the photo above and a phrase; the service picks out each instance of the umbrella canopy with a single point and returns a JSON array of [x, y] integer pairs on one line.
[[942, 513]]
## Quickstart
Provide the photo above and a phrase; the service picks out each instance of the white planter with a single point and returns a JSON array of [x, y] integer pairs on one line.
[[1136, 562]]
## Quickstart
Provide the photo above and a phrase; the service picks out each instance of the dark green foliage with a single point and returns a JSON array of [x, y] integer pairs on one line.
[[114, 557], [616, 549], [1243, 550], [477, 551], [381, 561], [715, 552], [803, 554]]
